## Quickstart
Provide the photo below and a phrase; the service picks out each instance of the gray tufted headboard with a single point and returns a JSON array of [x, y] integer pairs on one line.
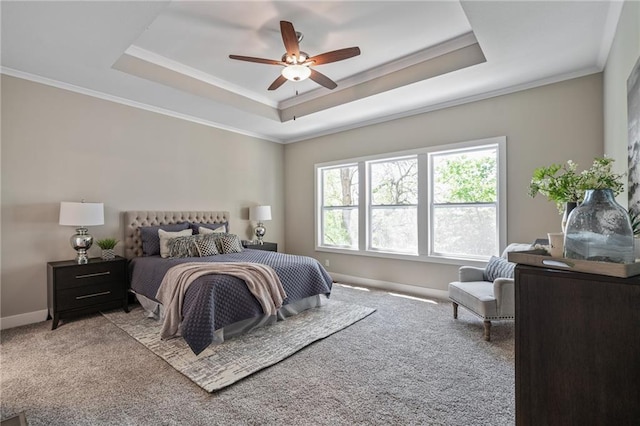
[[135, 219]]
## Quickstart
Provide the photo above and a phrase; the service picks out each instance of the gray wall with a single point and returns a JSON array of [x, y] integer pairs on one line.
[[63, 146], [624, 53], [544, 125], [133, 159]]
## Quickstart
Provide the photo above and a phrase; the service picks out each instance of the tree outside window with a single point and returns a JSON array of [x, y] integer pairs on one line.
[[393, 205], [429, 204], [340, 206], [465, 196]]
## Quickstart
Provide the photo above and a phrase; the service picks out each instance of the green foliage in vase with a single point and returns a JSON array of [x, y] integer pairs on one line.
[[563, 184], [559, 183], [107, 243], [600, 176]]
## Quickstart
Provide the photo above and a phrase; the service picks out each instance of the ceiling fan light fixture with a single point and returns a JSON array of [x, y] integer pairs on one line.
[[296, 72]]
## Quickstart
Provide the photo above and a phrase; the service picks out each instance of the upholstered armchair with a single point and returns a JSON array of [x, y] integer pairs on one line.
[[487, 292]]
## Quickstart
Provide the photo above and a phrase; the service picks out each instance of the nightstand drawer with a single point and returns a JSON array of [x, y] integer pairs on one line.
[[89, 274], [79, 297], [265, 246]]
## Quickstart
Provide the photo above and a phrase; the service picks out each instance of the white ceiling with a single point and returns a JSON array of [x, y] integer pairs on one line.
[[173, 57]]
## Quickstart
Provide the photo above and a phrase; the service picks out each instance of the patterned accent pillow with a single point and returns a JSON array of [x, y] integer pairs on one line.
[[151, 240], [166, 236], [206, 245], [230, 243], [498, 267], [183, 246]]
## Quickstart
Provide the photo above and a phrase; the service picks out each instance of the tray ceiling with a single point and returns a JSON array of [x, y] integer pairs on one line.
[[173, 57]]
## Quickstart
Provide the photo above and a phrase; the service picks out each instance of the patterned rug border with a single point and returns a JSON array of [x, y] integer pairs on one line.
[[219, 366]]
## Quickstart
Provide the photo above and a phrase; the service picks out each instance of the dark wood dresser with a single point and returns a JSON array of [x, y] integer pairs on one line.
[[577, 348], [74, 289]]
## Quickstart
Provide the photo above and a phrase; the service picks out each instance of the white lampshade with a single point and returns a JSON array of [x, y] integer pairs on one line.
[[260, 213], [81, 214]]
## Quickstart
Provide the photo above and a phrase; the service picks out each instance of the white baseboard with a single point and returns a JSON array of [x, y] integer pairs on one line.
[[39, 316], [23, 319], [389, 286]]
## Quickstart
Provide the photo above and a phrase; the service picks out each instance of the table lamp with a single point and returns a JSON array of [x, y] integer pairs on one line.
[[81, 215], [260, 214]]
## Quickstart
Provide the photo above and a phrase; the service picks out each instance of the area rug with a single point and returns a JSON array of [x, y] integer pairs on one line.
[[219, 366]]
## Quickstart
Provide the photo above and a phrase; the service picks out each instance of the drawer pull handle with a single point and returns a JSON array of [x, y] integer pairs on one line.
[[97, 274], [92, 295]]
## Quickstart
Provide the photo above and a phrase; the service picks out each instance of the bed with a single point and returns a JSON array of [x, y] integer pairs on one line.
[[216, 306]]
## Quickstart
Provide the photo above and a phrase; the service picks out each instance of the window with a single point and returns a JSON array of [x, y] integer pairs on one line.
[[393, 205], [464, 206], [431, 204], [340, 207]]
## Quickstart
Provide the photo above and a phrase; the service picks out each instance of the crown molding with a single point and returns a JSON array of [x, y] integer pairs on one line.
[[165, 62], [135, 104], [449, 104]]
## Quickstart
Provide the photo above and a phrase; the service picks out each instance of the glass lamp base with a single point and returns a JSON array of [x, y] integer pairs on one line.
[[260, 231]]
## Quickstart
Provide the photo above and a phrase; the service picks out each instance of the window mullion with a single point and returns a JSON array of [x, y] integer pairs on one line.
[[423, 204], [363, 203]]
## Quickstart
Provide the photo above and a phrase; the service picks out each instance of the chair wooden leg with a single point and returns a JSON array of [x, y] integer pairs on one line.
[[455, 310], [487, 330]]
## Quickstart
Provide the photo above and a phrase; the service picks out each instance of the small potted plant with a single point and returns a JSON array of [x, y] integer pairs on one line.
[[107, 245]]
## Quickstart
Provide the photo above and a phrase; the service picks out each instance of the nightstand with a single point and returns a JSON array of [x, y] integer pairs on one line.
[[255, 246], [74, 289]]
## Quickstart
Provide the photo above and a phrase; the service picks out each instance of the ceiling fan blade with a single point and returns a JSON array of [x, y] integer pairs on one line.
[[277, 82], [258, 60], [290, 39], [334, 56], [322, 79]]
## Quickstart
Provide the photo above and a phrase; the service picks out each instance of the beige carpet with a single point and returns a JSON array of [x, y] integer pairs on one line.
[[219, 366]]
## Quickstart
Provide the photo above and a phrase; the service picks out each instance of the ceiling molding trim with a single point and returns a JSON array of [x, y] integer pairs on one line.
[[609, 32], [169, 78], [134, 104], [424, 55], [165, 62], [449, 62], [313, 135], [449, 104]]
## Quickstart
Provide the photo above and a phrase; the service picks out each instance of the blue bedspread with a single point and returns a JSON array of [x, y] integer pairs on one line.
[[215, 301]]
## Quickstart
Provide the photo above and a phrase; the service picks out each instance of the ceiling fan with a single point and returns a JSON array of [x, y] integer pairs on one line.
[[297, 64]]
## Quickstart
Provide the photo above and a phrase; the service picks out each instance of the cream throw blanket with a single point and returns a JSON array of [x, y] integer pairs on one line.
[[262, 281]]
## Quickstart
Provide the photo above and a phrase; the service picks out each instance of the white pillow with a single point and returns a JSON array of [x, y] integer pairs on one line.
[[165, 236], [220, 230]]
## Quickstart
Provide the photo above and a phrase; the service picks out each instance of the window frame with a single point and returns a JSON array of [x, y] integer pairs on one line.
[[370, 207], [424, 207], [323, 208], [432, 204]]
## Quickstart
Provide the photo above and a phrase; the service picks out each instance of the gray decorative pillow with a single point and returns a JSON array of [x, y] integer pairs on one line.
[[151, 240], [229, 243], [183, 246], [206, 245], [498, 267]]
